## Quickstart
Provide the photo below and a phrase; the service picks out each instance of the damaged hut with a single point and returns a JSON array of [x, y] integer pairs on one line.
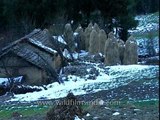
[[32, 57]]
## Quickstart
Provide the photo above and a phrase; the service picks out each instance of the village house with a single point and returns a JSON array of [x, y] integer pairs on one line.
[[32, 57]]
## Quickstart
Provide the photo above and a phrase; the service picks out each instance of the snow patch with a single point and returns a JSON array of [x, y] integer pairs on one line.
[[5, 81], [77, 118], [75, 33], [66, 54], [88, 115], [116, 113], [146, 23], [118, 76], [60, 39], [38, 43]]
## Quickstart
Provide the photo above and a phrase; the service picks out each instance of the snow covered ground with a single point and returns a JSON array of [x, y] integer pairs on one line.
[[110, 77], [146, 23], [116, 76], [148, 28], [142, 45]]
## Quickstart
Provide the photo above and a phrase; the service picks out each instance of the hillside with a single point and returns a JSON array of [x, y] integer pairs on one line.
[[90, 80], [147, 29]]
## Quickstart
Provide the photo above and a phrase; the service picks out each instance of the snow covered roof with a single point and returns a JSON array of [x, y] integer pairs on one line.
[[42, 39], [38, 43]]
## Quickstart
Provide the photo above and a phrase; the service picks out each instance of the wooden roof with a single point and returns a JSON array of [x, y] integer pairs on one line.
[[32, 48]]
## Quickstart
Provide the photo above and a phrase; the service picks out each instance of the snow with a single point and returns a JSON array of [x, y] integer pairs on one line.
[[60, 39], [133, 71], [75, 33], [18, 79], [118, 76], [116, 113], [88, 115], [107, 108], [66, 54], [142, 49], [36, 42], [83, 53], [146, 23], [5, 81], [75, 55], [136, 109], [142, 45], [147, 27], [72, 21], [101, 102], [77, 118]]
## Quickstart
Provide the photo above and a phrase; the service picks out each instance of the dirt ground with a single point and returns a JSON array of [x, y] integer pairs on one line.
[[114, 104]]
